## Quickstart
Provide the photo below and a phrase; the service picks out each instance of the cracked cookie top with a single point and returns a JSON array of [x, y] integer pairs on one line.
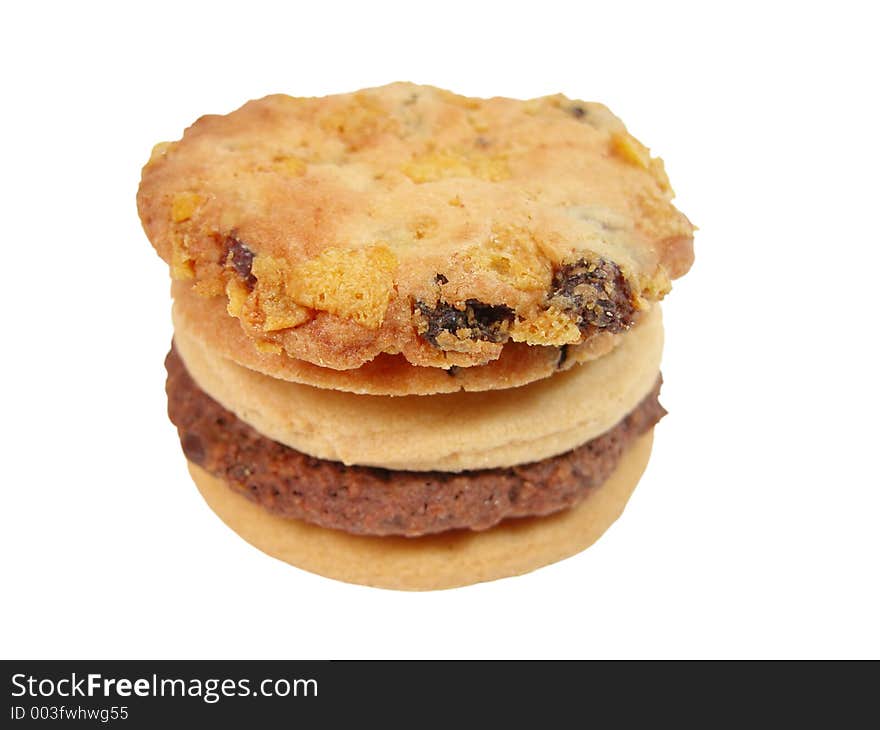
[[409, 220]]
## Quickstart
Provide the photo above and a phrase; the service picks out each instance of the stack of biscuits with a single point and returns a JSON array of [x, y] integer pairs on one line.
[[417, 336]]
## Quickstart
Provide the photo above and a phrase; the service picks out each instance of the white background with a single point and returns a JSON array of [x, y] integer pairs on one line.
[[754, 532]]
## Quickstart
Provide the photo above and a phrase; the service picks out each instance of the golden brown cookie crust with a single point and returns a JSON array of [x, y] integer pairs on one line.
[[408, 220], [434, 562]]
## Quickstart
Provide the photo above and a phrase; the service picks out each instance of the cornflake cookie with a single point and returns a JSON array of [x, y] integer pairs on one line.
[[417, 335], [409, 220]]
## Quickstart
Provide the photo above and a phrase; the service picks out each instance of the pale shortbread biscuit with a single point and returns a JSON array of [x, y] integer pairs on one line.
[[406, 219], [447, 560], [206, 319], [449, 432]]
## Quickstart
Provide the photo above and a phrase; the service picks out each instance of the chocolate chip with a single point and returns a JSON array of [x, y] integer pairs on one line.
[[440, 279], [577, 111], [453, 371], [596, 293], [193, 448], [241, 258], [477, 321]]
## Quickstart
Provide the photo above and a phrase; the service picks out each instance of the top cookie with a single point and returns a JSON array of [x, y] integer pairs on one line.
[[407, 219]]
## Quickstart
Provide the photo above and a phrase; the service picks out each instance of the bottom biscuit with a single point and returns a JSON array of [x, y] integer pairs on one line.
[[433, 562]]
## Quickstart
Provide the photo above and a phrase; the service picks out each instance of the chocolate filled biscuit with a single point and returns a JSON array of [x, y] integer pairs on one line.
[[367, 500], [417, 335]]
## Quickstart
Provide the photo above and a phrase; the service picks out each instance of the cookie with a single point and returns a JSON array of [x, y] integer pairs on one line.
[[450, 432], [371, 501], [417, 335], [409, 221], [434, 562]]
